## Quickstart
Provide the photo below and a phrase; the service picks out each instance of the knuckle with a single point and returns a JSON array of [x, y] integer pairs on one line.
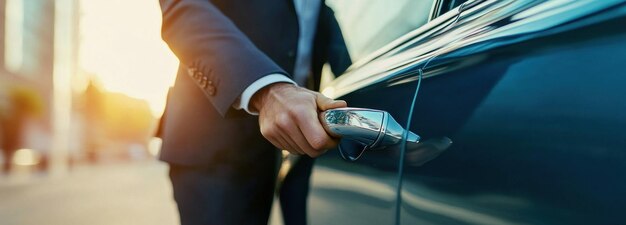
[[314, 154], [283, 120], [312, 100], [299, 112], [294, 112], [265, 131], [268, 131], [319, 143]]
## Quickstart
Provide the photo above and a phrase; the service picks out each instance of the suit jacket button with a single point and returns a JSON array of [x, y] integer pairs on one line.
[[291, 53], [203, 82], [211, 90]]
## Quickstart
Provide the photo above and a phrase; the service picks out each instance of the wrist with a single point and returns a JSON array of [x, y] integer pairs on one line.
[[259, 99]]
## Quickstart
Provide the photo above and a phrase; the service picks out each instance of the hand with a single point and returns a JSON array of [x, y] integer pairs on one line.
[[288, 117]]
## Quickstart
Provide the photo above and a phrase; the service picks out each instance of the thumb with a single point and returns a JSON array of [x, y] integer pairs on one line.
[[324, 103]]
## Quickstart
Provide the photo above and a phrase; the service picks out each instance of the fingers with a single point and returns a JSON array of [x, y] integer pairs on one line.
[[324, 103], [290, 145], [280, 140], [300, 132], [289, 125], [314, 133], [299, 139], [289, 120]]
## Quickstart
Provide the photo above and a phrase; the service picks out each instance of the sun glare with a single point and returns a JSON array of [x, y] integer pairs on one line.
[[121, 44]]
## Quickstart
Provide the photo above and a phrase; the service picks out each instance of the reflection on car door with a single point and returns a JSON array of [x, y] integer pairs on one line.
[[536, 116], [365, 191]]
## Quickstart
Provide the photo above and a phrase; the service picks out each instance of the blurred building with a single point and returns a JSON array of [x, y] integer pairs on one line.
[[114, 125], [38, 61], [46, 104]]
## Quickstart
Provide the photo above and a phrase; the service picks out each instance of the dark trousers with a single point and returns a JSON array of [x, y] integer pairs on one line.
[[225, 193], [239, 194], [294, 191]]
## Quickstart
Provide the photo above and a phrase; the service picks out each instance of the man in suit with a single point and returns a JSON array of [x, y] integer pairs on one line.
[[240, 59]]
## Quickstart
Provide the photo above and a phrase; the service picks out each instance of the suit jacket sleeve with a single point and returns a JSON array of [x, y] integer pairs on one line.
[[220, 58]]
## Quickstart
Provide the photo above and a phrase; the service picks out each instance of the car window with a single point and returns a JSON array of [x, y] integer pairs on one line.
[[443, 6], [368, 25]]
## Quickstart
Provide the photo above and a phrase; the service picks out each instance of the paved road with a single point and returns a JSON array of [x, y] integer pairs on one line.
[[119, 194], [113, 194]]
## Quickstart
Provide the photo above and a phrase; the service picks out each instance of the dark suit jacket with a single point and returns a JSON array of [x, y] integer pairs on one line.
[[224, 46]]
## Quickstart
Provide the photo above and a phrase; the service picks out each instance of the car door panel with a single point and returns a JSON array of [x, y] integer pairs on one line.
[[537, 128], [363, 191], [529, 92]]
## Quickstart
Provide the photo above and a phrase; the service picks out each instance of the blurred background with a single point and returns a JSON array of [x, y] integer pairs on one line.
[[82, 86]]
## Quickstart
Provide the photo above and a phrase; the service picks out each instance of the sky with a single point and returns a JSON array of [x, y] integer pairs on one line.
[[121, 44]]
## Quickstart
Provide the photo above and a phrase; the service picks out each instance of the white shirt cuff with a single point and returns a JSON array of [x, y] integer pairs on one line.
[[244, 99]]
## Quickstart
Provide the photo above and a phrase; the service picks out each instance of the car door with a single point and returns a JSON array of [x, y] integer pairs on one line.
[[365, 191], [531, 95]]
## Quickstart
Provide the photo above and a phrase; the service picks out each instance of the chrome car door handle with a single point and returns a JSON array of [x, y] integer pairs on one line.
[[370, 128]]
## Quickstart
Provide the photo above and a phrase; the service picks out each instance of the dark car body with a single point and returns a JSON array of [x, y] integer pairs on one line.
[[532, 95]]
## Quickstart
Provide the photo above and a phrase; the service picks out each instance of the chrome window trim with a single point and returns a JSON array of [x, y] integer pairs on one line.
[[435, 10], [441, 38]]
